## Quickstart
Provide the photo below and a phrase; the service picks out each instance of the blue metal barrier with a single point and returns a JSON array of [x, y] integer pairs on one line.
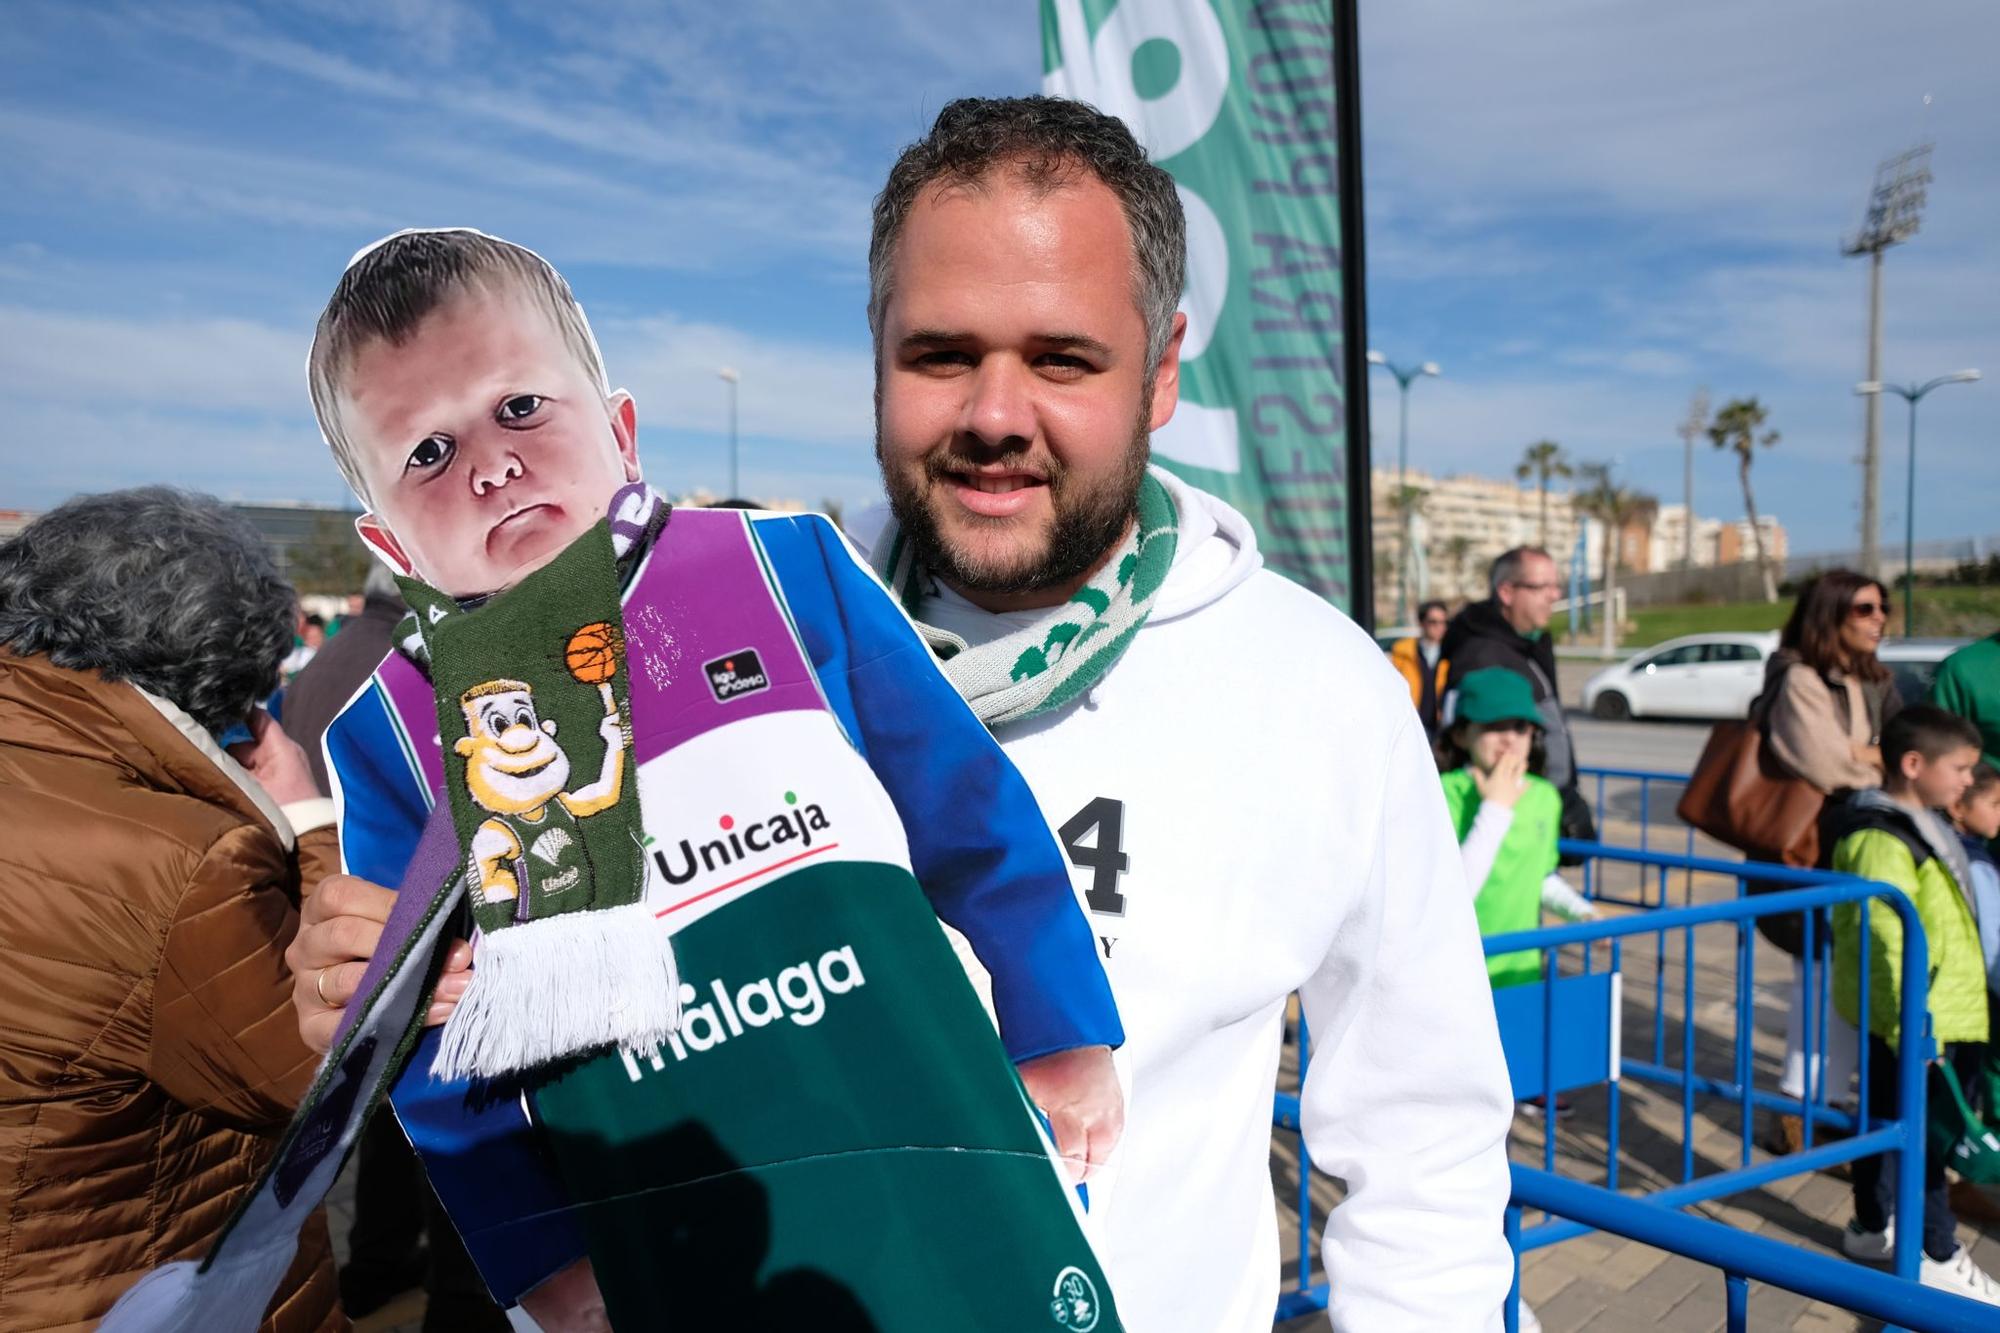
[[1650, 802], [1817, 891], [1903, 1135], [1744, 1258]]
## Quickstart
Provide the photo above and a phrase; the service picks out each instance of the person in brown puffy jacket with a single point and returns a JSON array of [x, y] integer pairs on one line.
[[149, 883]]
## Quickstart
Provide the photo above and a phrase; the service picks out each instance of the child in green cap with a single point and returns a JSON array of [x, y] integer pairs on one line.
[[1506, 816]]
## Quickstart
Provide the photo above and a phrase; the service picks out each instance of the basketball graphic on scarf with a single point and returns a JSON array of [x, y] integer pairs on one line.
[[592, 653]]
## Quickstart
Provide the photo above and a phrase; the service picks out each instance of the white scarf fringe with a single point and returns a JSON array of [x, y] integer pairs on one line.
[[561, 986]]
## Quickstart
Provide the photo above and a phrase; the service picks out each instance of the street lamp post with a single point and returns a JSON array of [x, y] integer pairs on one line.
[[729, 376], [1405, 375], [1912, 394]]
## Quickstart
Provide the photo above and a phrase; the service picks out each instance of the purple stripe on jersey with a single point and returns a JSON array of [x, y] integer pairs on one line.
[[411, 696], [706, 643]]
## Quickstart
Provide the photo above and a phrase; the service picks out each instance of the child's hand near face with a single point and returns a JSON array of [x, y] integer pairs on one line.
[[1502, 784]]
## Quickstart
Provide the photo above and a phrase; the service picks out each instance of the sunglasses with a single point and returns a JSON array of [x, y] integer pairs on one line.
[[1863, 610]]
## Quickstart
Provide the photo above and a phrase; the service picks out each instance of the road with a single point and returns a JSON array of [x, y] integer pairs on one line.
[[1666, 746], [1670, 747]]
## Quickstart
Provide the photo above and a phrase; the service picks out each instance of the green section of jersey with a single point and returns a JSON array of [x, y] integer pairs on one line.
[[1511, 897], [834, 1138]]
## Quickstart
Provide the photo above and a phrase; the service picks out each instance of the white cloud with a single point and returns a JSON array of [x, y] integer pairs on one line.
[[197, 365], [1757, 119], [789, 390], [101, 401]]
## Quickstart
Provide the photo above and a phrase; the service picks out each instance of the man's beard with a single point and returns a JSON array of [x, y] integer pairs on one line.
[[1089, 520]]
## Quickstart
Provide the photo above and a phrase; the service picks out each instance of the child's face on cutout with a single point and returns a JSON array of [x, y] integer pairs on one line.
[[1939, 783], [486, 446], [1978, 812]]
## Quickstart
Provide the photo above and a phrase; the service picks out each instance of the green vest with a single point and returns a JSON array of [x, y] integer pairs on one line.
[[1511, 897], [553, 870]]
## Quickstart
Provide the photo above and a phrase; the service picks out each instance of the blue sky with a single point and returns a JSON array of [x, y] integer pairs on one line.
[[1583, 209]]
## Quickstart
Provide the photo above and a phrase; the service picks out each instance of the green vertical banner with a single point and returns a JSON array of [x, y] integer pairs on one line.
[[1243, 101]]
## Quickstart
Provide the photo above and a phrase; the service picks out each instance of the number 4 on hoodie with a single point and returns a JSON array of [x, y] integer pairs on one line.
[[1106, 859]]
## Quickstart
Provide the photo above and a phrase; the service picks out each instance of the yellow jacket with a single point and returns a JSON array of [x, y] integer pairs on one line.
[[1406, 659]]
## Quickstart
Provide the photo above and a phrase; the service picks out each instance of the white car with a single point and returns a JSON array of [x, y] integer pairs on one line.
[[1700, 675]]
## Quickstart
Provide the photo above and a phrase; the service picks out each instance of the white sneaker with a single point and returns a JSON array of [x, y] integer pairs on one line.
[[1875, 1247], [1961, 1277], [1527, 1322]]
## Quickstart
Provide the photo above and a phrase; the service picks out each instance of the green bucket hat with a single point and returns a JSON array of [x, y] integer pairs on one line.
[[1495, 694]]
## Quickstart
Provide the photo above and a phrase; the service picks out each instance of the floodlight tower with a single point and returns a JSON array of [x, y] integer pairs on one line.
[[1895, 210]]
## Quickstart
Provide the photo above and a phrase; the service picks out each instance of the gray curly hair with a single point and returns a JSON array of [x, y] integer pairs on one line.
[[170, 590]]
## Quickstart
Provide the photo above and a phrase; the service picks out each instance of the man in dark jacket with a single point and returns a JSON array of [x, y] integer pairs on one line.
[[318, 693], [1511, 629]]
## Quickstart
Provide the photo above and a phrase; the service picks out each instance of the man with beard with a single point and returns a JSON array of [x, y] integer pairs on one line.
[[1246, 798]]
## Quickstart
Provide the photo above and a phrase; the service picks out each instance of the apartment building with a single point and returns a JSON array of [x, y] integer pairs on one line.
[[1463, 522]]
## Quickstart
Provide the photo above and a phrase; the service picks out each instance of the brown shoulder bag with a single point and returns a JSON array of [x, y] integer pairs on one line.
[[1739, 796]]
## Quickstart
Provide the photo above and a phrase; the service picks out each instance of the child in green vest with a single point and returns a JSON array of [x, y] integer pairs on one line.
[[1894, 834], [1507, 817]]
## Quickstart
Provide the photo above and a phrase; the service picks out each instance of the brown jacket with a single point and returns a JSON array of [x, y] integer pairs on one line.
[[148, 1052]]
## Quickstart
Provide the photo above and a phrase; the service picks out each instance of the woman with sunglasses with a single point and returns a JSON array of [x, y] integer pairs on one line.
[[1825, 700]]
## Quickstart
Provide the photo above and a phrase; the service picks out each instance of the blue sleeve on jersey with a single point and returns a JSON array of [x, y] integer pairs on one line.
[[516, 1237], [382, 804], [978, 842]]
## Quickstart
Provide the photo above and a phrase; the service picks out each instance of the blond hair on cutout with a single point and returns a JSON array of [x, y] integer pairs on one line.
[[392, 285], [490, 687]]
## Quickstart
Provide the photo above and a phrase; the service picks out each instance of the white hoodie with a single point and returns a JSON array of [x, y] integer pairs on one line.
[[1255, 762]]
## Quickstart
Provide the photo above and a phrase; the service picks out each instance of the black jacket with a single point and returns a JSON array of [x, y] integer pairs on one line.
[[1479, 637], [318, 693]]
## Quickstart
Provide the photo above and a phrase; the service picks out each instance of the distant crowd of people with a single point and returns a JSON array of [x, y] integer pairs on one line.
[[1905, 795]]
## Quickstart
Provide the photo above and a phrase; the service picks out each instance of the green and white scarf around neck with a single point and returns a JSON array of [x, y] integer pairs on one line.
[[1042, 667]]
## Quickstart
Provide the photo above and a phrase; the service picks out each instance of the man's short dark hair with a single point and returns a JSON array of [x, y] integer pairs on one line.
[[1049, 142], [1925, 730], [1429, 607], [170, 590], [1509, 564]]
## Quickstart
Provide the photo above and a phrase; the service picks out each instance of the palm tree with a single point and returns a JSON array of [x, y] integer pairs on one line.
[[1615, 507], [1457, 552], [1735, 427], [1408, 502], [1541, 460], [1692, 428]]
